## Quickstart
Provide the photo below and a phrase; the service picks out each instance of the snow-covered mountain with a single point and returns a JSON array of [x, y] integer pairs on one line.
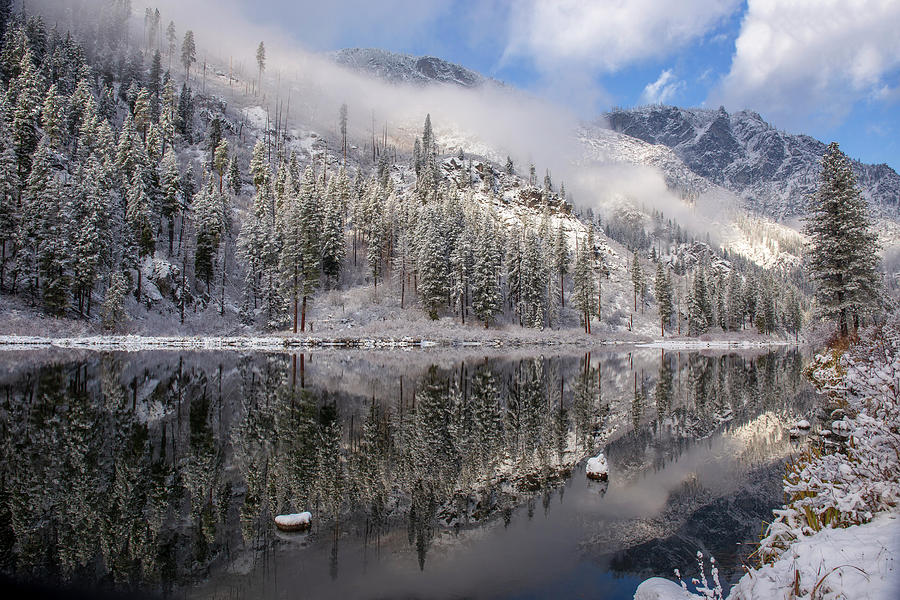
[[770, 170], [404, 68]]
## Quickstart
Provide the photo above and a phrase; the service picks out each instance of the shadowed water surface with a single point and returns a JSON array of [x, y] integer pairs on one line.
[[429, 475]]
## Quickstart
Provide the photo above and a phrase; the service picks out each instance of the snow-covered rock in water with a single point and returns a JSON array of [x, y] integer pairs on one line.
[[657, 588], [802, 424], [597, 467], [294, 522]]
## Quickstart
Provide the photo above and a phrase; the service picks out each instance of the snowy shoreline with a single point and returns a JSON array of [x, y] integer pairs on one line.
[[137, 343], [838, 534]]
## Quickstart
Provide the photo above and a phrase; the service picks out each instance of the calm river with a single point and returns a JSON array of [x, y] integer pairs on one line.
[[429, 474]]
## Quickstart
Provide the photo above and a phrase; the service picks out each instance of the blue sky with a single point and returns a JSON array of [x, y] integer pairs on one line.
[[829, 68]]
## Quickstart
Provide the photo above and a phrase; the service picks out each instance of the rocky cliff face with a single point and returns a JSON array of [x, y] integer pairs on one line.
[[772, 171], [403, 68]]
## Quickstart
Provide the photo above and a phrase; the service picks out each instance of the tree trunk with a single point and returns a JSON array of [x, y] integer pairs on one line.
[[224, 275], [303, 316], [562, 291], [183, 282], [138, 295]]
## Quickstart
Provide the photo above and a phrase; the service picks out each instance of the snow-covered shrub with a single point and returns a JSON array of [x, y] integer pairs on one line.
[[702, 585], [855, 473]]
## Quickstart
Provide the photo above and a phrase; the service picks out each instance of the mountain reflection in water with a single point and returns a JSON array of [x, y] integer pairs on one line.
[[428, 475]]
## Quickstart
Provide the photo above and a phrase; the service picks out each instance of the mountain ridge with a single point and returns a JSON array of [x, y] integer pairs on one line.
[[770, 170], [396, 67]]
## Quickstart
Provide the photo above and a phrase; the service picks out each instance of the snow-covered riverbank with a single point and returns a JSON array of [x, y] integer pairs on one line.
[[274, 343], [838, 536]]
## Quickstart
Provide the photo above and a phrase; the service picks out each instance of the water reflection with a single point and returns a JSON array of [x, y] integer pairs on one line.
[[157, 470]]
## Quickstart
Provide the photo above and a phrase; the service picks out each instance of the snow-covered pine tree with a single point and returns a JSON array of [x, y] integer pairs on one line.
[[113, 311], [143, 116], [793, 313], [235, 182], [637, 279], [188, 53], [663, 292], [172, 39], [427, 137], [208, 221], [54, 251], [9, 194], [260, 64], [333, 242], [460, 272], [513, 262], [154, 144], [154, 89], [561, 261], [374, 228], [734, 302], [26, 114], [432, 263], [300, 228], [220, 162], [842, 258], [533, 303], [213, 138], [53, 117], [750, 293], [90, 235], [583, 284], [185, 120], [486, 294], [131, 156], [36, 200], [765, 319], [169, 202], [139, 220], [698, 304], [168, 117], [716, 301], [258, 247]]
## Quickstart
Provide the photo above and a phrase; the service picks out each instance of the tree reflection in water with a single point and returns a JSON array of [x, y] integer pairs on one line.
[[150, 470]]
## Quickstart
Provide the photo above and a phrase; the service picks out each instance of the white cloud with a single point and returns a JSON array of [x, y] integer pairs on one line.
[[809, 61], [609, 35], [663, 89]]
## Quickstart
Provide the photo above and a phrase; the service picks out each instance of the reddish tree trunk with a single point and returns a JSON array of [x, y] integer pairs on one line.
[[303, 316]]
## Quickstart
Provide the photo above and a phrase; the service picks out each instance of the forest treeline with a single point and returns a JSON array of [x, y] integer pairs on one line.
[[118, 181]]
